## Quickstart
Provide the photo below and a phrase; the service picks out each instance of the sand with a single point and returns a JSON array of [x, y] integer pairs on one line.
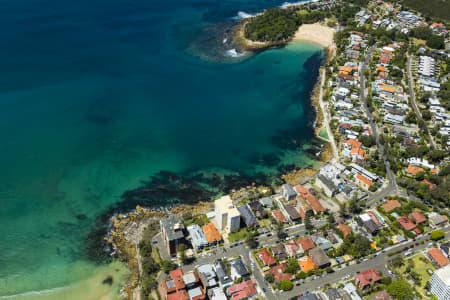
[[315, 33]]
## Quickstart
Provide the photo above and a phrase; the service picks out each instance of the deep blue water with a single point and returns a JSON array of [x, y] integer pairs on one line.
[[97, 96]]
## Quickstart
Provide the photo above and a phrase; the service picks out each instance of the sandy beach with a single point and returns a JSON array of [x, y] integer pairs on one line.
[[316, 33]]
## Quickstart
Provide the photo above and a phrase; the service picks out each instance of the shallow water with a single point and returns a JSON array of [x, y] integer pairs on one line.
[[97, 96]]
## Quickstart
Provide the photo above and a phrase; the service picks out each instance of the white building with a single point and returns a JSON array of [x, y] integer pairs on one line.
[[440, 283], [227, 215], [426, 66]]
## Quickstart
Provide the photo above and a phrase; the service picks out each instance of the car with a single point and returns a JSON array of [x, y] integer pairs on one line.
[[155, 242], [297, 235], [264, 289], [430, 244], [357, 272], [269, 234]]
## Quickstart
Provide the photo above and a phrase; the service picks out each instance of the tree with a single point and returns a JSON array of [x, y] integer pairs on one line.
[[411, 118], [308, 224], [401, 290], [293, 266], [167, 266], [182, 253], [286, 285], [397, 262], [280, 232], [269, 277], [437, 235], [251, 241], [331, 218], [436, 42]]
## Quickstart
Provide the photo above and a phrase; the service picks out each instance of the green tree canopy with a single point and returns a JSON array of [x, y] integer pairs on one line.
[[401, 290], [286, 285]]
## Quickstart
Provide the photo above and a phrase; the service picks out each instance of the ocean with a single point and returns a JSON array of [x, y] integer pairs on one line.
[[101, 98]]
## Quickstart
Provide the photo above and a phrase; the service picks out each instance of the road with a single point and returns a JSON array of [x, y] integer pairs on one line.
[[372, 123], [378, 262], [412, 99]]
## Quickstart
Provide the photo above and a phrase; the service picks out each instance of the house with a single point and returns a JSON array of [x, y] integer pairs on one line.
[[257, 208], [438, 257], [390, 205], [228, 217], [381, 295], [207, 275], [238, 269], [217, 294], [436, 219], [222, 272], [265, 257], [279, 216], [278, 252], [445, 248], [327, 186], [406, 223], [279, 273], [266, 202], [291, 212], [172, 232], [243, 290], [333, 238], [306, 243], [345, 229], [367, 278], [198, 236], [212, 235], [367, 223], [429, 184], [319, 258], [321, 242], [288, 192], [363, 181], [292, 248], [350, 292], [332, 294], [248, 216], [181, 286], [417, 217], [306, 264], [413, 170], [312, 201]]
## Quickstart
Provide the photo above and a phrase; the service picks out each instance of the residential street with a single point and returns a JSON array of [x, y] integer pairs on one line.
[[372, 123]]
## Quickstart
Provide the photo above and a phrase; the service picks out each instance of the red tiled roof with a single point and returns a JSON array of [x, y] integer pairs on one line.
[[177, 276], [353, 143], [413, 170], [265, 256], [391, 205], [406, 223], [291, 248], [438, 257], [306, 264], [345, 229], [430, 185], [315, 204], [374, 218], [242, 290], [345, 76], [306, 243], [279, 216], [368, 277], [417, 217], [278, 273], [364, 179]]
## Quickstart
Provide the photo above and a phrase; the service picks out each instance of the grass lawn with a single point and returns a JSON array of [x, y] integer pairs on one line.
[[237, 235], [421, 268], [199, 220], [156, 256], [264, 223], [418, 42]]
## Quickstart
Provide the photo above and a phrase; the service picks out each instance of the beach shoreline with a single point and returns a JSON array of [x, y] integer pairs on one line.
[[317, 33]]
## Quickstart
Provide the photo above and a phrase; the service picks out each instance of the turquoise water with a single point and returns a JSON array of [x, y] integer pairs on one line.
[[97, 96]]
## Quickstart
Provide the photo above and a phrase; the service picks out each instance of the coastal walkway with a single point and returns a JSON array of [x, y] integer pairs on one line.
[[326, 118]]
